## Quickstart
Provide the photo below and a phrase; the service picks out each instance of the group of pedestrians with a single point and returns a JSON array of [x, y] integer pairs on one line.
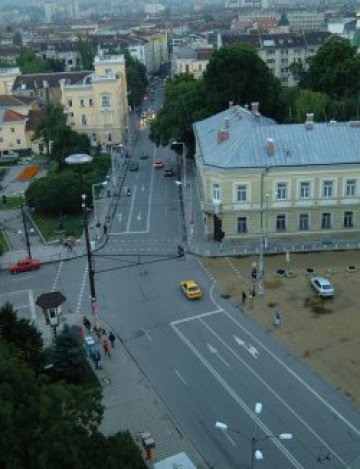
[[277, 316], [106, 341]]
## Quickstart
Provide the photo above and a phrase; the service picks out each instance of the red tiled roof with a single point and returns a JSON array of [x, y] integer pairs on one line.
[[12, 116]]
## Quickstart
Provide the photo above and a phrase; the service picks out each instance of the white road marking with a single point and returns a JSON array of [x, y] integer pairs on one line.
[[32, 305], [143, 187], [213, 350], [198, 316], [237, 398], [57, 276], [272, 391], [119, 218], [21, 277], [229, 438], [146, 333], [250, 348], [139, 216], [180, 377], [131, 209], [82, 289]]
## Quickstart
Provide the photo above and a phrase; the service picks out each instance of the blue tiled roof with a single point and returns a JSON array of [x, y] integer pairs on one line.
[[246, 147]]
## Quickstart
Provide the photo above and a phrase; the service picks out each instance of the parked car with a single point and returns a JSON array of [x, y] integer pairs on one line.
[[158, 164], [190, 289], [322, 286], [24, 265], [168, 172], [144, 155], [134, 166]]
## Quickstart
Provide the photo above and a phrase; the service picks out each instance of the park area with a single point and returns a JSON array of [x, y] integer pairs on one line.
[[322, 332]]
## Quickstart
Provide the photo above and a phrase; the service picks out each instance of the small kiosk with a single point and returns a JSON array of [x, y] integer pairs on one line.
[[51, 304]]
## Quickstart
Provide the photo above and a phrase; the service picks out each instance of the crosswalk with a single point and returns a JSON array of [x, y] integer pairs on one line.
[[144, 245]]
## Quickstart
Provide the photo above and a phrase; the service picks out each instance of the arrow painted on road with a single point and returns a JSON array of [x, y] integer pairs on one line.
[[215, 352], [250, 348], [139, 216]]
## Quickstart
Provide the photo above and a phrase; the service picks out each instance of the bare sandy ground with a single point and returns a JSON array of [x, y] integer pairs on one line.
[[324, 333]]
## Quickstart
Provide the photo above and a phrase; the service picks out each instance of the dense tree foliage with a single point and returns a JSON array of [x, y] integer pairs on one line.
[[47, 423], [335, 69], [136, 79], [311, 102], [87, 51], [29, 62]]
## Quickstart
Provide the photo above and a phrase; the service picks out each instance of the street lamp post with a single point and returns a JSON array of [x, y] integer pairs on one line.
[[256, 453], [81, 159]]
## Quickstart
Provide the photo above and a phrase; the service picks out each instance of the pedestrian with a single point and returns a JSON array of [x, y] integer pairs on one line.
[[243, 298], [277, 319], [96, 357], [112, 339], [87, 324], [106, 348]]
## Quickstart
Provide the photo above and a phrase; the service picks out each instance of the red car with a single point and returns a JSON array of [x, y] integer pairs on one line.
[[24, 265]]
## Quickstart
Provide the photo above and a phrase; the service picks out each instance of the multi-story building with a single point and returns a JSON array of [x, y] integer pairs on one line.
[[279, 51], [306, 20], [189, 60], [98, 106], [298, 182]]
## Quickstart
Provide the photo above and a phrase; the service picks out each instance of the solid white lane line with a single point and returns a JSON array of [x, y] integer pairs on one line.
[[150, 200], [32, 305], [237, 398], [274, 393], [198, 316], [181, 377], [131, 208]]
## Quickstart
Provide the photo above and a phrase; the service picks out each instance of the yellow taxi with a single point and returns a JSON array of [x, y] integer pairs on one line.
[[158, 164], [190, 289]]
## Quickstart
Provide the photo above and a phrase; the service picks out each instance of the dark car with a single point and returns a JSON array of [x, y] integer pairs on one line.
[[168, 172], [144, 155], [134, 166]]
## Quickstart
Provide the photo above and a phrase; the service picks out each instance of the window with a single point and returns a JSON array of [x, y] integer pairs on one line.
[[187, 68], [304, 190], [70, 102], [105, 100], [1, 140], [12, 130], [241, 195], [280, 223], [82, 102], [93, 137], [216, 192], [18, 141], [241, 225], [326, 221], [328, 189], [91, 103], [348, 220], [109, 137], [83, 120], [350, 188], [303, 222], [281, 191]]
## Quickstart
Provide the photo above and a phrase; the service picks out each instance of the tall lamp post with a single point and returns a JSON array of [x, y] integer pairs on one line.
[[256, 453], [81, 159]]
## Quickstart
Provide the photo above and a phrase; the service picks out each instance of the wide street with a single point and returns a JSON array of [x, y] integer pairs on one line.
[[207, 360]]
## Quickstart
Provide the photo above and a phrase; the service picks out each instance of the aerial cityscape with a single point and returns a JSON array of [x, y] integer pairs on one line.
[[179, 234]]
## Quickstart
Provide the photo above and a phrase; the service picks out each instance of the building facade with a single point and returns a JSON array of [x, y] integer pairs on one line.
[[296, 182], [98, 106]]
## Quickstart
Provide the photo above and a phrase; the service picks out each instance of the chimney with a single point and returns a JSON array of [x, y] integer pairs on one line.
[[270, 147], [222, 135], [255, 107], [231, 104], [309, 123], [226, 123]]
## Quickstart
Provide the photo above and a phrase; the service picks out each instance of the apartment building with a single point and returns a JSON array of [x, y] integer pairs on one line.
[[279, 51], [296, 182], [98, 106], [189, 60]]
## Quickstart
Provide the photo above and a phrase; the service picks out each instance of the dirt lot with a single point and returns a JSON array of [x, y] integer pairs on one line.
[[324, 333]]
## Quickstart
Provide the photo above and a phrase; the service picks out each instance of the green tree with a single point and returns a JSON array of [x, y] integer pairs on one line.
[[69, 357], [136, 79], [334, 69], [24, 339], [56, 65], [50, 125], [313, 102], [28, 62], [87, 52]]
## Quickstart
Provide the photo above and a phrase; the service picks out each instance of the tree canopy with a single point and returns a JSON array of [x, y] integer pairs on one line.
[[136, 79], [335, 69], [29, 62], [87, 52]]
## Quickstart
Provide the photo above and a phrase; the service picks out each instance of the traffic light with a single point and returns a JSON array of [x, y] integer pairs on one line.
[[180, 250]]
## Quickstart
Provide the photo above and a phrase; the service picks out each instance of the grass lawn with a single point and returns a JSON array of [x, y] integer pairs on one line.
[[11, 202], [48, 226], [3, 245]]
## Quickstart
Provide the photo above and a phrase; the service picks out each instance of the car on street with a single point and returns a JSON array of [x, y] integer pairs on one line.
[[134, 166], [144, 155], [24, 265], [168, 172], [322, 286], [158, 164], [190, 289]]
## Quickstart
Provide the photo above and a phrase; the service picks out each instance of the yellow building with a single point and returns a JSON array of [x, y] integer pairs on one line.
[[280, 183], [98, 106]]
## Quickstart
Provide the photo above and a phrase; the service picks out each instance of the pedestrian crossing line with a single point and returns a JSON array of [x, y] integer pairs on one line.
[[143, 240], [57, 276], [233, 267], [82, 290]]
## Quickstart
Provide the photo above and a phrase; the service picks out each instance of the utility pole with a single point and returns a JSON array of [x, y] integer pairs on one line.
[[89, 256], [27, 240]]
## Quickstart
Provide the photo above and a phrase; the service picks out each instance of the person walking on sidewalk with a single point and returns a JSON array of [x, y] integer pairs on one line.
[[106, 348], [112, 339], [243, 297], [277, 319]]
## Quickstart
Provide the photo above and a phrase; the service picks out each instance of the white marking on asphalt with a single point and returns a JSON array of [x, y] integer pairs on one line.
[[146, 333], [229, 438], [82, 290], [15, 278], [32, 305], [237, 398], [269, 388], [198, 316], [250, 348], [119, 217], [215, 352], [131, 208], [57, 276], [181, 377], [143, 187], [149, 205], [15, 292], [139, 216]]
